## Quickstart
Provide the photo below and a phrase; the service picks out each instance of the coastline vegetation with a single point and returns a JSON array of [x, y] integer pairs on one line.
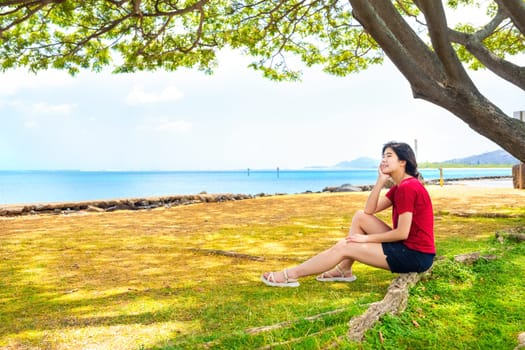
[[188, 277], [434, 165]]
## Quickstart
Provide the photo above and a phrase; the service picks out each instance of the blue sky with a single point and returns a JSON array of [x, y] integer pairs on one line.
[[234, 119]]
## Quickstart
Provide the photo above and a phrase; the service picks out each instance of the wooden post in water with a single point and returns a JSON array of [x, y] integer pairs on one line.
[[248, 171], [441, 181], [277, 172]]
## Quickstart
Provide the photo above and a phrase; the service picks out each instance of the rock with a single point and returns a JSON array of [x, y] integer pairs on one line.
[[119, 204], [343, 188], [93, 209]]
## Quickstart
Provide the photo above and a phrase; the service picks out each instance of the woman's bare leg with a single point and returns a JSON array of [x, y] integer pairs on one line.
[[344, 253], [367, 253], [365, 224]]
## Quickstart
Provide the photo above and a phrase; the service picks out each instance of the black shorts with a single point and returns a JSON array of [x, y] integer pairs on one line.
[[401, 259]]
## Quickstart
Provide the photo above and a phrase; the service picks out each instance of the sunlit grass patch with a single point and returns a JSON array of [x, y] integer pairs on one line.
[[131, 336], [150, 279]]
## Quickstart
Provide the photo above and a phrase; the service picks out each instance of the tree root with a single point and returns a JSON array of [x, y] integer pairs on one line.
[[517, 235], [228, 253], [488, 215], [257, 330], [394, 302], [471, 258]]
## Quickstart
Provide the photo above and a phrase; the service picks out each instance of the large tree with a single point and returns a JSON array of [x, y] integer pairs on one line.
[[342, 36]]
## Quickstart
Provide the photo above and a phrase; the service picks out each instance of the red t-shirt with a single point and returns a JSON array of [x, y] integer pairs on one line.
[[411, 196]]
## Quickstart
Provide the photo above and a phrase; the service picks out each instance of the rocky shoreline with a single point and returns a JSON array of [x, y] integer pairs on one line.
[[116, 204], [65, 208]]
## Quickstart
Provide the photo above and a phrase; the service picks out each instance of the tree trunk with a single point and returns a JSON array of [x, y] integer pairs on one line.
[[518, 176], [438, 76], [480, 114]]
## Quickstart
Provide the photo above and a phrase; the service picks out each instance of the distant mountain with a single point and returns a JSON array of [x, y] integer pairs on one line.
[[494, 157], [358, 163], [362, 162]]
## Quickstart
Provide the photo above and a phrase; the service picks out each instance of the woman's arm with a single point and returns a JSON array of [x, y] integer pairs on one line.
[[374, 203]]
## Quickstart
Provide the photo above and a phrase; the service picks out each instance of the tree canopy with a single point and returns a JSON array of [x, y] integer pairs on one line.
[[342, 36]]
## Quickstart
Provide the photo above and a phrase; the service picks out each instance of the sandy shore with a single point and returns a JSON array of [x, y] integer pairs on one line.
[[488, 183]]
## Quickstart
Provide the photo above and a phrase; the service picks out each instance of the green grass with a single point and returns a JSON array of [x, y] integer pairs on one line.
[[147, 280], [457, 306], [463, 307]]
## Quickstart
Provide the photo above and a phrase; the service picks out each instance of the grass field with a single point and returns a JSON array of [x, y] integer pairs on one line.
[[164, 278]]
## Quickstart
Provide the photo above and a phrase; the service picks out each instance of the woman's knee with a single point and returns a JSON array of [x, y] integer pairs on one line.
[[339, 248], [367, 223], [343, 249], [359, 218], [361, 214]]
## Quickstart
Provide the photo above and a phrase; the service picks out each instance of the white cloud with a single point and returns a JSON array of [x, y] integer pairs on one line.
[[45, 108], [139, 96]]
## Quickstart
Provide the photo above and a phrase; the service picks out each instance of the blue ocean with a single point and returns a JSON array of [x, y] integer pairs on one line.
[[62, 186]]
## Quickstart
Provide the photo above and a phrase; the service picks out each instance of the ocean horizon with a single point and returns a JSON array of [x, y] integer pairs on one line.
[[47, 186]]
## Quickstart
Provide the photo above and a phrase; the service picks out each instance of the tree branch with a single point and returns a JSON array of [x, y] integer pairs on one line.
[[428, 77], [515, 9], [488, 29], [499, 66], [438, 30], [177, 12], [402, 45], [474, 44], [21, 19]]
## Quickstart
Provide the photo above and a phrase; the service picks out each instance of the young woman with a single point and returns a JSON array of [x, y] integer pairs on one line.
[[407, 246]]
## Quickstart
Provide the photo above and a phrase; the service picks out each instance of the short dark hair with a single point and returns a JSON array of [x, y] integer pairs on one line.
[[404, 152]]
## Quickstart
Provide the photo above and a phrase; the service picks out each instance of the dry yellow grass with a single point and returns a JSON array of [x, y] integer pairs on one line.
[[127, 279]]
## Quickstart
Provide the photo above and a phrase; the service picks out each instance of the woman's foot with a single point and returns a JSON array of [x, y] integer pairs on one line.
[[278, 279], [337, 274]]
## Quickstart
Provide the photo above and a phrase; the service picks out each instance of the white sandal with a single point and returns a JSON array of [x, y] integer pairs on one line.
[[288, 282], [341, 278]]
